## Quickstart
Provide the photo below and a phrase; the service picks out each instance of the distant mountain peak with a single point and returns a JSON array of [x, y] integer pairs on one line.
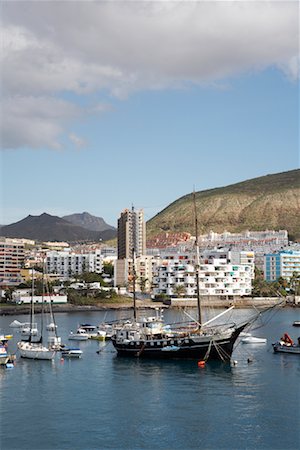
[[53, 228], [88, 221]]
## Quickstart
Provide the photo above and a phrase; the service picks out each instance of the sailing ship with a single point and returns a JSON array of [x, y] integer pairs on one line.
[[31, 346], [151, 338]]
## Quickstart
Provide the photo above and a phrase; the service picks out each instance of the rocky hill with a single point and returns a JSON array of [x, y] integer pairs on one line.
[[86, 220], [269, 202], [52, 228]]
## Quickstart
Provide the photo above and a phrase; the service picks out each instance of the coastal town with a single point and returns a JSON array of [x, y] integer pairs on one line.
[[251, 267]]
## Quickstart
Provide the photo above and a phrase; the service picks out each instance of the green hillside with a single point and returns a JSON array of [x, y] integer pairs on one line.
[[269, 202]]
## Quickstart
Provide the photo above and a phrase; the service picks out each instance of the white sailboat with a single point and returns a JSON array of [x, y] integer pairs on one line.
[[30, 347]]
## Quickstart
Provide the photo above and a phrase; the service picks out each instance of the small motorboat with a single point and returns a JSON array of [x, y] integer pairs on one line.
[[253, 340], [296, 323], [99, 336], [71, 353], [278, 347], [80, 335], [287, 345]]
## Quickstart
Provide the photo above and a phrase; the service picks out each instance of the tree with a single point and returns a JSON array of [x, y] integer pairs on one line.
[[179, 290], [142, 283], [295, 283], [108, 268]]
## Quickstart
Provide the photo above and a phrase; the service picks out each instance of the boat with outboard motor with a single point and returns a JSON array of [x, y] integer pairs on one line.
[[287, 345]]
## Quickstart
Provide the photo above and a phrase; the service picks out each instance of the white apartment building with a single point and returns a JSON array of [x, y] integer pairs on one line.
[[66, 263], [123, 270], [218, 275]]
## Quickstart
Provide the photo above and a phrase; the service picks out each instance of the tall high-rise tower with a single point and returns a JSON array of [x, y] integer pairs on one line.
[[131, 233]]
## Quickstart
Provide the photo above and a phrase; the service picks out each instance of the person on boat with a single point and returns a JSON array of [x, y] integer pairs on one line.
[[286, 340]]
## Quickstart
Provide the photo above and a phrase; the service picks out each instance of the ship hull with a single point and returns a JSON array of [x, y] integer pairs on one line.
[[31, 351], [186, 348]]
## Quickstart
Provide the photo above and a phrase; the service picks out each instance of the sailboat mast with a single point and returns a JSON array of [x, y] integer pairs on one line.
[[197, 265], [133, 281], [133, 264], [32, 306]]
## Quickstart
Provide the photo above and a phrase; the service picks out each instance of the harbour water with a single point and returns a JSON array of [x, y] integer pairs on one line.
[[103, 401]]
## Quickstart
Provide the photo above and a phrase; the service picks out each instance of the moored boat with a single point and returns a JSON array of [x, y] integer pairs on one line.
[[278, 347], [79, 335], [296, 323], [35, 350], [31, 346], [253, 340], [151, 338], [287, 345], [71, 353]]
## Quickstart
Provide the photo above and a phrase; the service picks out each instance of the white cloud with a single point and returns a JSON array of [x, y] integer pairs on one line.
[[35, 122], [79, 143], [85, 47]]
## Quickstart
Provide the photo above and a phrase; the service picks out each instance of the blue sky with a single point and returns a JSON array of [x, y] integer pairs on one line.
[[98, 131]]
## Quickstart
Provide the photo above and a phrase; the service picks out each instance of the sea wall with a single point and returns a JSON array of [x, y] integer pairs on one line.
[[218, 302]]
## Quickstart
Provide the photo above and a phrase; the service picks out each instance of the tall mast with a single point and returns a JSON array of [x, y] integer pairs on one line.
[[133, 281], [133, 265], [32, 306], [197, 265]]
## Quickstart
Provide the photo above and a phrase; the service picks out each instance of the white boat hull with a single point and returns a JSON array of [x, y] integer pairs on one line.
[[34, 351], [253, 340], [77, 337]]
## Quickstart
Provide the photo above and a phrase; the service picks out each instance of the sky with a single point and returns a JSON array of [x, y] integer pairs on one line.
[[109, 104]]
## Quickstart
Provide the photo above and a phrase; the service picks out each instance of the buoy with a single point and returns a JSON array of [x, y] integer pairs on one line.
[[249, 360], [201, 363], [62, 360], [234, 362]]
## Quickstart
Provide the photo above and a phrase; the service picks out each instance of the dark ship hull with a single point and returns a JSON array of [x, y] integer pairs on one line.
[[189, 347]]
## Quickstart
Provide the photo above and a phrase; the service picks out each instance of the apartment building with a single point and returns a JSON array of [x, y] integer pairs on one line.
[[281, 264], [131, 233], [144, 267], [67, 263], [218, 275], [11, 261]]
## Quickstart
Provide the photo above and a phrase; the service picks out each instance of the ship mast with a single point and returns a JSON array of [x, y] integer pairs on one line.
[[133, 282], [133, 268], [197, 265]]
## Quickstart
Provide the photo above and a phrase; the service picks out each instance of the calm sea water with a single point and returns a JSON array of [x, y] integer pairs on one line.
[[106, 402]]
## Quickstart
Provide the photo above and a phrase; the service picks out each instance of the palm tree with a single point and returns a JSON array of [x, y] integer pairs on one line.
[[179, 290]]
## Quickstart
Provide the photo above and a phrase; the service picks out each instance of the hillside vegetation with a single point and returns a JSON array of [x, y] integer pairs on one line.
[[269, 202]]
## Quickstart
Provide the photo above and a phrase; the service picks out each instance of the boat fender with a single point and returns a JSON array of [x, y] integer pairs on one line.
[[201, 363]]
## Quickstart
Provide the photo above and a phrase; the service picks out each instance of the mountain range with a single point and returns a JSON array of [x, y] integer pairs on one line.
[[52, 228], [269, 202]]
